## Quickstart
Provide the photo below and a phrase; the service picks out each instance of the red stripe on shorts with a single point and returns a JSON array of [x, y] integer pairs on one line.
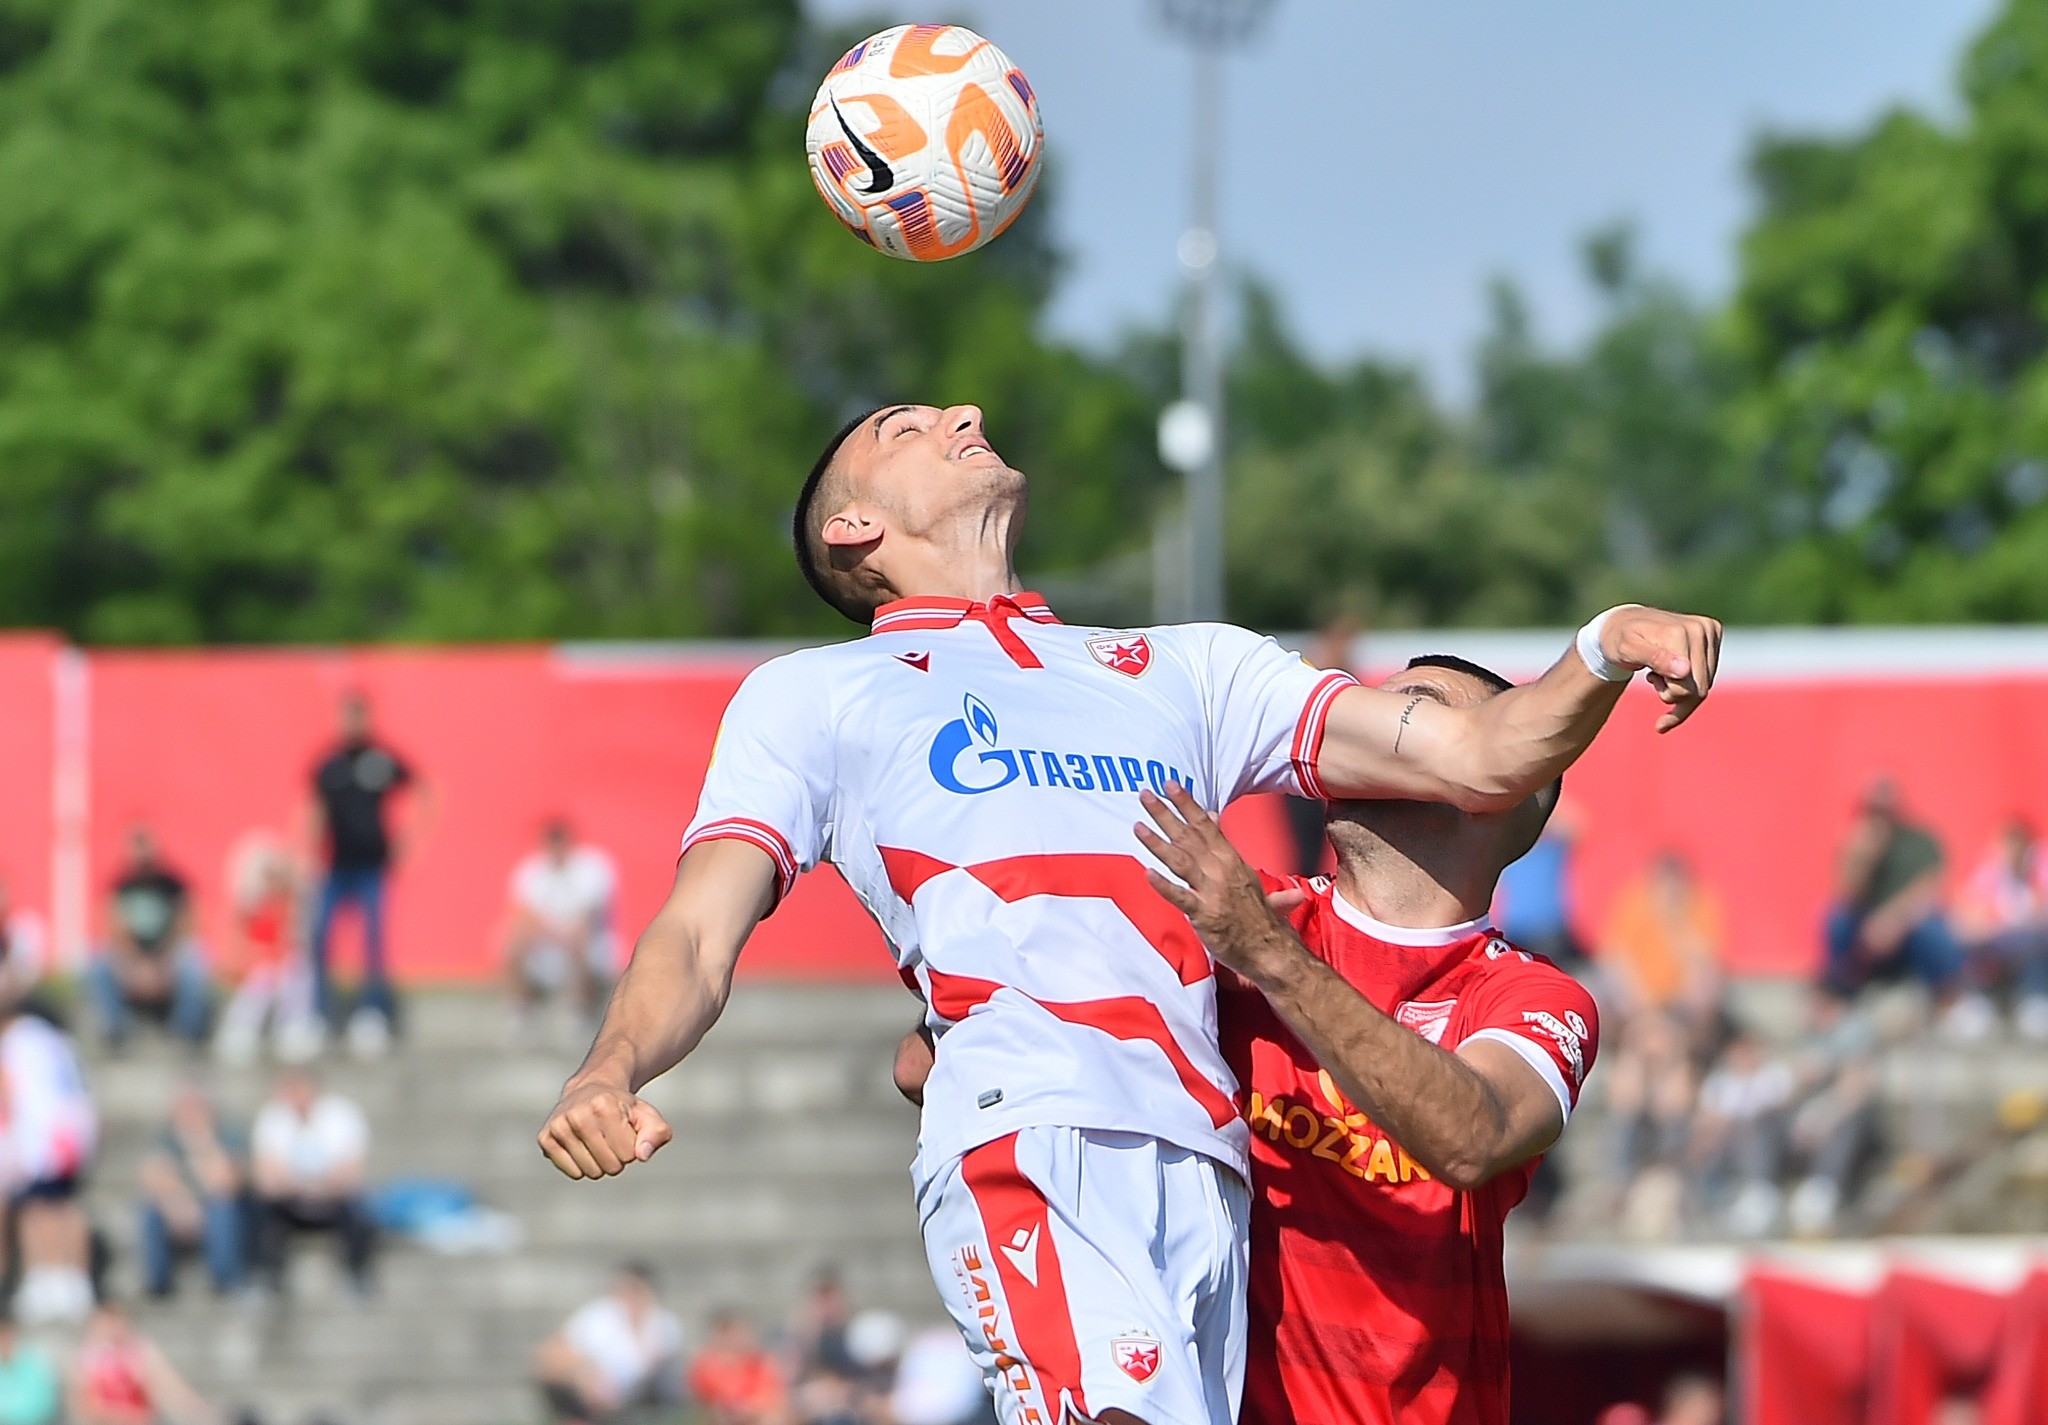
[[1019, 1230]]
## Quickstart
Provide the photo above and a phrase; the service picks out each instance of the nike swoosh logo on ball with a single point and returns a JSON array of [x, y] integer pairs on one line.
[[880, 175]]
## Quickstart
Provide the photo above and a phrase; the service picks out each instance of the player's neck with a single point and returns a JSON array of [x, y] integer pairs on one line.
[[977, 569], [1389, 887]]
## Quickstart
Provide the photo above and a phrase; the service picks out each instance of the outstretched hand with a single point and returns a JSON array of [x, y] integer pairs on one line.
[[1217, 890], [1679, 652]]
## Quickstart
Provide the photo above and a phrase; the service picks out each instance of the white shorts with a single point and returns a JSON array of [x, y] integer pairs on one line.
[[1094, 1271]]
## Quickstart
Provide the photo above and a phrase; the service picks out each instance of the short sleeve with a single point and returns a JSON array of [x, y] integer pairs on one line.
[[770, 779], [1267, 709], [1542, 1014]]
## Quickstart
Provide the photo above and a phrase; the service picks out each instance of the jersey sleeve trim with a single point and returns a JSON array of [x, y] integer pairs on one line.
[[1308, 732], [1535, 1056], [754, 833]]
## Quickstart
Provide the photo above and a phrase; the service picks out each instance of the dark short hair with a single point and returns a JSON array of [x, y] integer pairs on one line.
[[800, 522], [1452, 663]]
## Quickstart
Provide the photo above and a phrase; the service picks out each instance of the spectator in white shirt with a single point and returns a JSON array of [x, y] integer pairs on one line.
[[309, 1150], [48, 1133], [560, 923], [623, 1349]]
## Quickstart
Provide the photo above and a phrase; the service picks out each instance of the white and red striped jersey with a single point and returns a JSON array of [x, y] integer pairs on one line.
[[973, 770]]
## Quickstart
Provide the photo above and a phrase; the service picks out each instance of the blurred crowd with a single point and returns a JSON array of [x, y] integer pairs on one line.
[[1723, 1121], [623, 1354]]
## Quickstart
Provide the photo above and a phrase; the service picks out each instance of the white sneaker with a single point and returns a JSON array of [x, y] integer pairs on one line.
[[236, 1046], [2030, 1018], [53, 1296], [1754, 1212], [1811, 1211], [369, 1034], [300, 1040]]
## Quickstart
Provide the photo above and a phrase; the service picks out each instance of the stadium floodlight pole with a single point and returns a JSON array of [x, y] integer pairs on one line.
[[1191, 432]]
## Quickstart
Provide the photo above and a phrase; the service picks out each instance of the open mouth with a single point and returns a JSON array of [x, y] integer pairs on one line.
[[973, 448]]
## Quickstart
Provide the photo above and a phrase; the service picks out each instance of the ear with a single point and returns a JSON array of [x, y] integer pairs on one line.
[[852, 528]]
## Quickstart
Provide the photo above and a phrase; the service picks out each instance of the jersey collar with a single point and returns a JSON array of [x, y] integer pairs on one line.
[[932, 612], [1357, 919]]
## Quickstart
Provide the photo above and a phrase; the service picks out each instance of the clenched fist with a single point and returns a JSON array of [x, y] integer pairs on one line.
[[1679, 652], [598, 1129]]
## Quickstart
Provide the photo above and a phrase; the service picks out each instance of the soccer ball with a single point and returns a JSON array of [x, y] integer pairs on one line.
[[925, 140]]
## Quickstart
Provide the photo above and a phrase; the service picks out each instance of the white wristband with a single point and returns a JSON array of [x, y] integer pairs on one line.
[[1595, 658]]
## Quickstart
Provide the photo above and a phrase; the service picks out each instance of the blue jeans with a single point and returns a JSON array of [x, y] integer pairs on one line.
[[362, 886], [188, 1012], [1929, 954], [222, 1239]]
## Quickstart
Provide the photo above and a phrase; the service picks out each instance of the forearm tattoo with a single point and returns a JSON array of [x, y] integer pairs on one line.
[[1406, 713]]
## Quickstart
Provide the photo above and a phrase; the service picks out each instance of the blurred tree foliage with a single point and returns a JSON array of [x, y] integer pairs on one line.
[[454, 318], [518, 318]]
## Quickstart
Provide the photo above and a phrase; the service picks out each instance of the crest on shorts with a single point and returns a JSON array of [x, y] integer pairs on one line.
[[1127, 653], [1136, 1355]]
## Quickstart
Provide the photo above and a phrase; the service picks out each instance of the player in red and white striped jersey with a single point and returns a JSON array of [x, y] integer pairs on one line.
[[972, 768]]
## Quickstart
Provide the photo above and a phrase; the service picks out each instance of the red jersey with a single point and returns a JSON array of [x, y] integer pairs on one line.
[[1377, 1294]]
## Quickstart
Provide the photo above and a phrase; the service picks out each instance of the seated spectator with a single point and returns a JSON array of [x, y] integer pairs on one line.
[[1661, 949], [24, 947], [622, 1350], [271, 985], [1533, 903], [2002, 914], [119, 1377], [1887, 923], [310, 1149], [49, 1135], [734, 1380], [561, 923], [1738, 1136], [193, 1198], [938, 1383], [1651, 1088], [30, 1391], [150, 964]]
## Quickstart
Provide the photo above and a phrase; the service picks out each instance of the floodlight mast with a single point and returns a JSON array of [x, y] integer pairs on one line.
[[1195, 446]]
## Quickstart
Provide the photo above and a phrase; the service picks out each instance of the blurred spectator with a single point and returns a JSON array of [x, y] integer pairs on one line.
[[817, 1330], [1533, 905], [24, 949], [1692, 1400], [2002, 914], [622, 1350], [49, 1135], [193, 1197], [561, 923], [350, 817], [151, 964], [310, 1148], [1887, 923], [119, 1377], [1661, 949], [1651, 1091], [30, 1391], [263, 963], [1738, 1135], [937, 1383], [734, 1379]]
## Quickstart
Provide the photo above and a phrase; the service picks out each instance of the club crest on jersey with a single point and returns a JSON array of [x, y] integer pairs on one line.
[[1129, 654], [1136, 1354], [1429, 1018]]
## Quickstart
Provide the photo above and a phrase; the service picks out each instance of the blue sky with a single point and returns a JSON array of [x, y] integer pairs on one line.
[[1386, 157]]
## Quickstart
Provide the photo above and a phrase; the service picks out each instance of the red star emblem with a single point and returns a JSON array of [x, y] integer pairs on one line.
[[1128, 653]]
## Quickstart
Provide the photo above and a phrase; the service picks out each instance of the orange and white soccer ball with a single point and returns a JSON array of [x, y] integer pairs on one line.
[[925, 140]]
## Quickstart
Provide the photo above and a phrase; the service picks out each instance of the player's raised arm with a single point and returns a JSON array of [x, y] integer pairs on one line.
[[1490, 757], [672, 992]]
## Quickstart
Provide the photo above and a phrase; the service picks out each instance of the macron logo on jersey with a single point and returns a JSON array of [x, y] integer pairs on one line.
[[968, 758]]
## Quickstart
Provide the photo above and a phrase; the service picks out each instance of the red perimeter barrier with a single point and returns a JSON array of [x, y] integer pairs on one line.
[[210, 744]]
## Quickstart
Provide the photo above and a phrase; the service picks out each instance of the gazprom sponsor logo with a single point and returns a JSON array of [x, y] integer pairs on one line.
[[967, 757]]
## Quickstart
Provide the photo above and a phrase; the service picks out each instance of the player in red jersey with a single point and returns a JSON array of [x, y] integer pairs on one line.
[[1403, 1069]]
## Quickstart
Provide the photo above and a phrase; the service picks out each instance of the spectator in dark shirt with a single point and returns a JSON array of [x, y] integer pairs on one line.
[[1887, 923], [194, 1197], [352, 788], [151, 962]]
